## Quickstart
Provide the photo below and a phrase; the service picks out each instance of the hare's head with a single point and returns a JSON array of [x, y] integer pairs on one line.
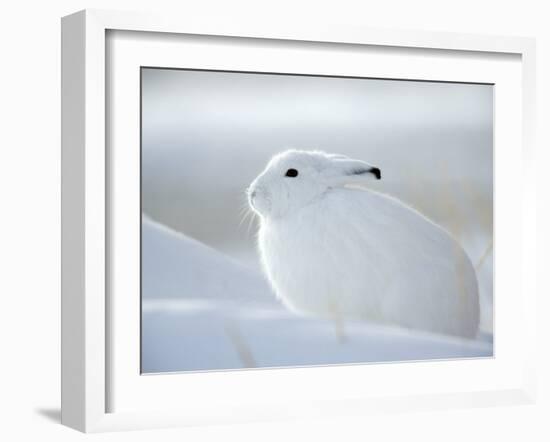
[[294, 178]]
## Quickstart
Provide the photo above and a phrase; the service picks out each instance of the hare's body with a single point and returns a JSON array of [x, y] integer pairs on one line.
[[346, 253], [358, 254]]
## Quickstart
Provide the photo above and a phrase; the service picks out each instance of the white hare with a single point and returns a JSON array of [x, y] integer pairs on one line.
[[341, 252]]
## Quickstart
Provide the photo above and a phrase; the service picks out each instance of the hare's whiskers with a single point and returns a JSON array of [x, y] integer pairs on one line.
[[250, 221]]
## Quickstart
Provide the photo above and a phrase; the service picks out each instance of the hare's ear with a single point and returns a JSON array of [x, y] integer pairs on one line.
[[343, 170]]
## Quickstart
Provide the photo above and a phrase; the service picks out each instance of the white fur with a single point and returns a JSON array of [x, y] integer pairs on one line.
[[341, 252]]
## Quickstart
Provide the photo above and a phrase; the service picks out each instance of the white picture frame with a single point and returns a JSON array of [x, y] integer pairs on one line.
[[87, 319]]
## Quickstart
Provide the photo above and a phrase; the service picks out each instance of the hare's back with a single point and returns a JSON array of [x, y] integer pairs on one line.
[[414, 262]]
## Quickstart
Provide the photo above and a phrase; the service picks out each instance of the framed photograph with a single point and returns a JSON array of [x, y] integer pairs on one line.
[[262, 222]]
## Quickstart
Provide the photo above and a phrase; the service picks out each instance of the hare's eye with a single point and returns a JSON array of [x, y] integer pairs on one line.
[[291, 173]]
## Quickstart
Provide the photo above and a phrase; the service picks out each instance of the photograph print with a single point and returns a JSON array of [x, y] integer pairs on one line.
[[303, 220]]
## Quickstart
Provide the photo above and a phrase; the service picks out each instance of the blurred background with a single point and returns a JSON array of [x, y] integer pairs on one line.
[[207, 134]]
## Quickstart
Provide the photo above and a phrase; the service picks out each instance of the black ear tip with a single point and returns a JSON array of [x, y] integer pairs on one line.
[[376, 172]]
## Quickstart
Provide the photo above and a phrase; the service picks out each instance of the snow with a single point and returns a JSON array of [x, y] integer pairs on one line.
[[203, 311], [180, 268]]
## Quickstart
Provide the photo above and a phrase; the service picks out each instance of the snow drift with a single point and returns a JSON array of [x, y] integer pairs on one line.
[[204, 311]]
